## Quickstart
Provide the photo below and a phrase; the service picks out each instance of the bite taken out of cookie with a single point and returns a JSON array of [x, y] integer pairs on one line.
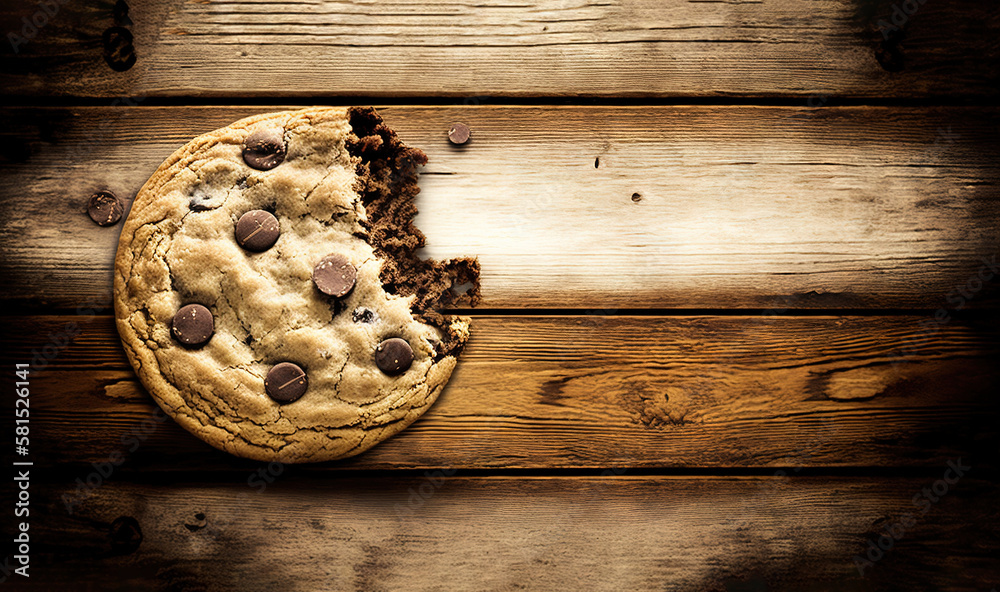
[[268, 293]]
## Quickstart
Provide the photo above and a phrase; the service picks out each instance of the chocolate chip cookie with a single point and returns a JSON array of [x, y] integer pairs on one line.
[[268, 294]]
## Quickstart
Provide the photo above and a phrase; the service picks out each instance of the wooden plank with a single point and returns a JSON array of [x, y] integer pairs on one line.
[[734, 206], [457, 533], [632, 48], [586, 392]]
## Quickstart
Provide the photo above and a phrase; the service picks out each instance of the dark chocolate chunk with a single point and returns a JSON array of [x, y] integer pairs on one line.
[[393, 356], [264, 149], [286, 382], [257, 230], [105, 208], [459, 133], [364, 315], [334, 275], [193, 325]]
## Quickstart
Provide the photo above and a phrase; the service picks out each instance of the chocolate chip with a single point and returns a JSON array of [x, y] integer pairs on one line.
[[257, 230], [334, 275], [393, 356], [459, 133], [364, 315], [193, 325], [105, 208], [286, 382], [264, 149]]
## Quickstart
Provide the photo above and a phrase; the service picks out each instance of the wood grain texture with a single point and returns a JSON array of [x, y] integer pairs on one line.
[[631, 48], [458, 533], [600, 209], [592, 392], [734, 207]]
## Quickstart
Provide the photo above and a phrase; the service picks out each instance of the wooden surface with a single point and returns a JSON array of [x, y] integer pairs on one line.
[[584, 533], [736, 317], [599, 391], [738, 207], [624, 48]]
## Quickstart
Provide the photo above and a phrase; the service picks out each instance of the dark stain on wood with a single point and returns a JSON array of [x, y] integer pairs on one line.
[[198, 522], [125, 535], [649, 407]]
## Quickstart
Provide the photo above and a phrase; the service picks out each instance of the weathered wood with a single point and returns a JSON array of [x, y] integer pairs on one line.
[[734, 206], [633, 48], [457, 533], [579, 391]]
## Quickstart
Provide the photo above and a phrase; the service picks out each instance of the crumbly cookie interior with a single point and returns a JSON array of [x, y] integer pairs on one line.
[[387, 183]]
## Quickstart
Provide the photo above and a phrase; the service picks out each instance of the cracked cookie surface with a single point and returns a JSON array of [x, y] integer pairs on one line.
[[178, 247]]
